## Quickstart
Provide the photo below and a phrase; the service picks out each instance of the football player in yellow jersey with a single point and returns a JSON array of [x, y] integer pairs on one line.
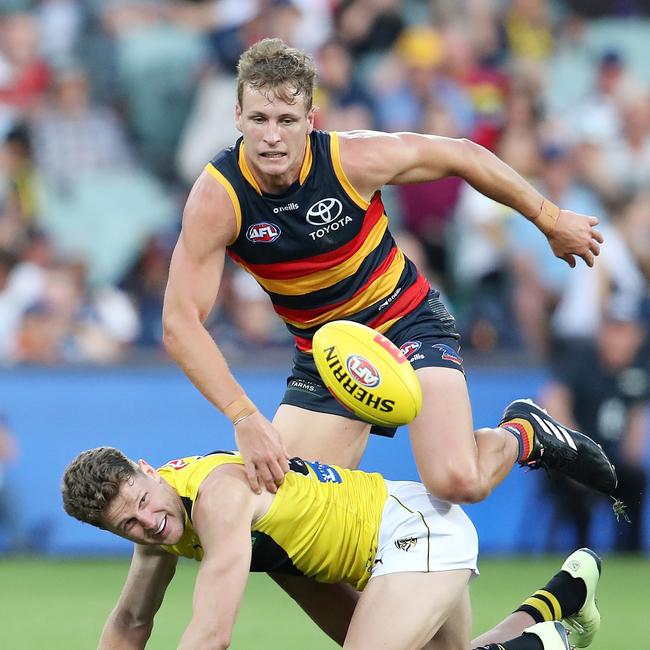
[[412, 554]]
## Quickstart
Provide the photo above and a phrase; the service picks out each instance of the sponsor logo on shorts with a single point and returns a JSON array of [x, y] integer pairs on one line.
[[410, 347], [263, 232], [179, 463], [363, 371], [449, 354], [351, 386], [304, 385], [416, 357], [406, 544], [325, 473]]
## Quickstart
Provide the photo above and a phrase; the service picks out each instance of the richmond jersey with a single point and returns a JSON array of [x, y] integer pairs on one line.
[[320, 250], [323, 522]]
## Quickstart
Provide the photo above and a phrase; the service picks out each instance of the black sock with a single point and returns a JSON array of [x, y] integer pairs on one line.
[[525, 642], [562, 596]]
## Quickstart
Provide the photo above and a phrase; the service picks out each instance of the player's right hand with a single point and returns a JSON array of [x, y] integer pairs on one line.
[[265, 459], [575, 235]]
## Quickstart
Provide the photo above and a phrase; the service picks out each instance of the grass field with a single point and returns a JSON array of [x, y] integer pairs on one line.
[[63, 604]]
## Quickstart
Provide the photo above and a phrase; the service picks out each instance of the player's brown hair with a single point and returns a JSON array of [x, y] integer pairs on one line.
[[92, 480], [271, 65]]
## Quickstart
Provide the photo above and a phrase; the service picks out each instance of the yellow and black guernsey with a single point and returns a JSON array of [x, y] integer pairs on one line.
[[320, 250], [323, 522]]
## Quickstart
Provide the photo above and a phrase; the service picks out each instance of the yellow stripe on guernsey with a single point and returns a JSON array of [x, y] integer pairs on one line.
[[327, 521], [234, 199], [328, 277], [340, 174], [383, 286]]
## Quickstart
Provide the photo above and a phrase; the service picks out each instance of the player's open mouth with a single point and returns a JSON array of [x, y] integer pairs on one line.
[[160, 528], [273, 155]]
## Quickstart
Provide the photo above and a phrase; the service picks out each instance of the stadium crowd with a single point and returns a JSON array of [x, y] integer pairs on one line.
[[108, 111]]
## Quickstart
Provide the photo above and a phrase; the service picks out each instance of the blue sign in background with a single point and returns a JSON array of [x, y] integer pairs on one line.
[[156, 414]]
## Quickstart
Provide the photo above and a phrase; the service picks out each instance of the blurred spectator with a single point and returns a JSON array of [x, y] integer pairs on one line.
[[342, 101], [72, 324], [72, 137], [538, 277], [603, 388], [10, 536], [245, 321], [24, 74]]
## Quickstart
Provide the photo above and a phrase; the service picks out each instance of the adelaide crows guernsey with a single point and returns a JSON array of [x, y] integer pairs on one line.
[[320, 250], [323, 521]]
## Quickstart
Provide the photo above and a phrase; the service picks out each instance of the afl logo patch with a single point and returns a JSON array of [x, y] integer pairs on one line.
[[263, 233], [324, 212], [410, 347], [362, 371]]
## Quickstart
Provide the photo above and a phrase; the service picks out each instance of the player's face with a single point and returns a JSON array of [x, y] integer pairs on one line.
[[146, 510], [275, 136]]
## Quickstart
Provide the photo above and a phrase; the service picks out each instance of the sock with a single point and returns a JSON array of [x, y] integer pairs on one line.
[[524, 642], [562, 596], [522, 430]]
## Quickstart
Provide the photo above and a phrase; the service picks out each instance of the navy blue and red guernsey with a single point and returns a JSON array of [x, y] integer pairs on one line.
[[320, 250]]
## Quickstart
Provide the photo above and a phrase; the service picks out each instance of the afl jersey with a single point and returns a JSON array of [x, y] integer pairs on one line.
[[320, 250], [323, 521]]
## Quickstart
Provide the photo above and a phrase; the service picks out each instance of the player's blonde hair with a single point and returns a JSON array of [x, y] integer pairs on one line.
[[271, 65], [92, 480]]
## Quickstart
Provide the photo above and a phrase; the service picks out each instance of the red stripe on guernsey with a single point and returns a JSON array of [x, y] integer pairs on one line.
[[405, 303], [302, 315], [299, 268], [410, 299]]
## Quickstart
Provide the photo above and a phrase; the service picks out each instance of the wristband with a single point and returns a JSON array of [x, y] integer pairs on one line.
[[547, 217], [240, 409]]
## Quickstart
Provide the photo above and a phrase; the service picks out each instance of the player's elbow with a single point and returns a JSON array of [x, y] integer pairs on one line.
[[176, 327]]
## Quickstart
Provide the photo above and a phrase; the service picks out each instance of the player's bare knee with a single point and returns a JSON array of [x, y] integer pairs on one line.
[[461, 484]]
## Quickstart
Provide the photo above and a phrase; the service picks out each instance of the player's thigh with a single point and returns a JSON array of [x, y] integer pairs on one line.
[[455, 632], [403, 611], [325, 437], [442, 435]]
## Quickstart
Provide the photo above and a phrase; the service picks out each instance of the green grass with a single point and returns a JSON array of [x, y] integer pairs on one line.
[[58, 604]]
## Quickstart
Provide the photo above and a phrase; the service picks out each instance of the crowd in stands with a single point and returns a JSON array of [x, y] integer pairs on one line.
[[109, 110]]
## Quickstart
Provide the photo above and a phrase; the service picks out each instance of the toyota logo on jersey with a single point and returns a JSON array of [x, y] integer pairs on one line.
[[362, 371], [324, 211], [263, 233]]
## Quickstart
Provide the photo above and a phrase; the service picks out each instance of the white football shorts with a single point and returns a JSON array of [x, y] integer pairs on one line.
[[421, 533]]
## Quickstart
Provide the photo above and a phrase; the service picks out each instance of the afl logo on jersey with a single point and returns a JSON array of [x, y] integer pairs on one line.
[[410, 347], [362, 371], [263, 233], [324, 212]]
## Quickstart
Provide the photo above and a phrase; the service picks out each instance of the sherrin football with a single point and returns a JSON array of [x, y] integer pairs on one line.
[[367, 373]]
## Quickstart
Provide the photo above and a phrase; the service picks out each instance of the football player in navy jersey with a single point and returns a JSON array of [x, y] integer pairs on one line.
[[301, 210]]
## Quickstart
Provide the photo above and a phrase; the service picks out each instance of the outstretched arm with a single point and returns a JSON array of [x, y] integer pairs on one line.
[[131, 622], [222, 517], [372, 160], [194, 277]]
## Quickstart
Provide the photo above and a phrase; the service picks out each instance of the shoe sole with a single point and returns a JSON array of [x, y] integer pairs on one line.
[[584, 625]]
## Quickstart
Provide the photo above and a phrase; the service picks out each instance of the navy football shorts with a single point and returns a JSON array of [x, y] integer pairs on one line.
[[427, 336]]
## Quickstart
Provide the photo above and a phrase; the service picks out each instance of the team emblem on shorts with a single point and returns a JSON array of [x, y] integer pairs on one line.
[[449, 354], [410, 347], [263, 232], [362, 371], [406, 544]]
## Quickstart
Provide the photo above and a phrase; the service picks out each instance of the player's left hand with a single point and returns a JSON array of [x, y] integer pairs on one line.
[[575, 235]]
